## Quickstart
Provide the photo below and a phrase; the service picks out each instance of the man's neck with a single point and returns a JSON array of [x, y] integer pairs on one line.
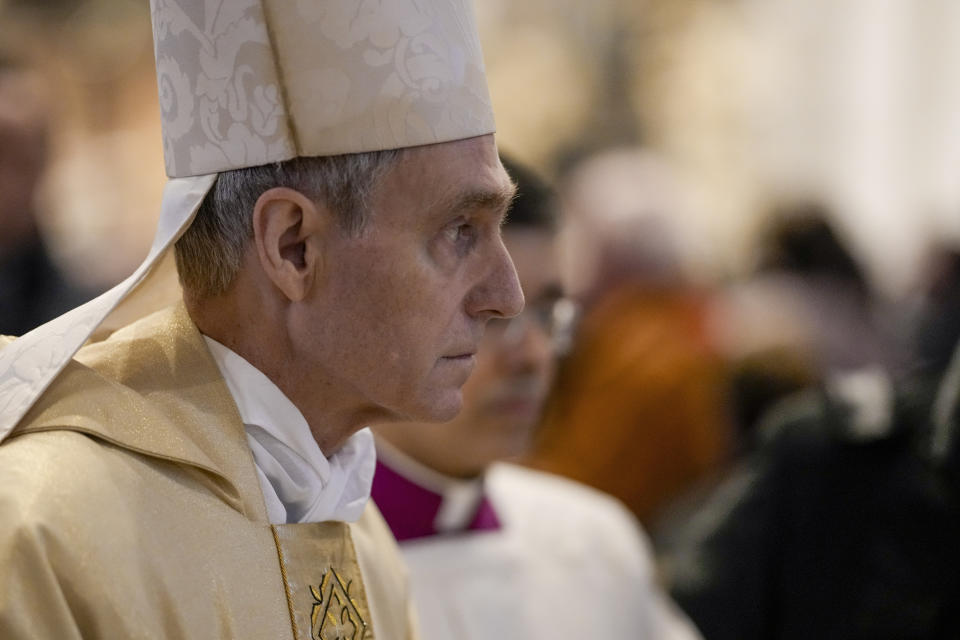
[[331, 420]]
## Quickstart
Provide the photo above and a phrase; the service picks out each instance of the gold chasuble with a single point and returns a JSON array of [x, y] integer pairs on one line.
[[130, 508]]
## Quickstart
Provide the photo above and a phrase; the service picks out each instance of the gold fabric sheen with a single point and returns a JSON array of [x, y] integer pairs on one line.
[[130, 508], [326, 601]]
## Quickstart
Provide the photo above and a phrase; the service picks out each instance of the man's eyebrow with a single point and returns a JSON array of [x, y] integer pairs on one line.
[[491, 199]]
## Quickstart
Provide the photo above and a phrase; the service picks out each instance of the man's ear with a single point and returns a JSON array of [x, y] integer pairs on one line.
[[287, 230]]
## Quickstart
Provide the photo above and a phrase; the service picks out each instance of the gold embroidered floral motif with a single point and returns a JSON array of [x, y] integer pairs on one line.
[[335, 615]]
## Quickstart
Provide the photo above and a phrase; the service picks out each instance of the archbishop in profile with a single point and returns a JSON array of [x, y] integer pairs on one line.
[[334, 209]]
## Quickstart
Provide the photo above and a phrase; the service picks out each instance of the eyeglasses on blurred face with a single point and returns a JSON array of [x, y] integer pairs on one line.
[[554, 315]]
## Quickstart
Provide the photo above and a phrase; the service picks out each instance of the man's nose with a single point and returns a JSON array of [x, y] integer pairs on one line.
[[498, 295]]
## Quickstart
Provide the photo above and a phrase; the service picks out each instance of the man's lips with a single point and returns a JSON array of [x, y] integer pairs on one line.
[[461, 356], [464, 352], [465, 361]]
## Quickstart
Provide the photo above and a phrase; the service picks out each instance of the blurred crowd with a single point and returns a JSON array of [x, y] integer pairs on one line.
[[784, 434]]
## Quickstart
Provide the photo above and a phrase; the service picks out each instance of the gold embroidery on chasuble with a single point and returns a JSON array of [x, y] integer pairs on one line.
[[323, 583]]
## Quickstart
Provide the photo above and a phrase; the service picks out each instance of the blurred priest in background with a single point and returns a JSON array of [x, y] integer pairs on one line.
[[497, 550]]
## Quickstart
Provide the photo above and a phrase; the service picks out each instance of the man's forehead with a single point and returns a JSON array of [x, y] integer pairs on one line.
[[495, 197], [463, 175]]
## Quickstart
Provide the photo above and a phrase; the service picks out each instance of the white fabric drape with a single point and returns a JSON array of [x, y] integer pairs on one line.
[[299, 483]]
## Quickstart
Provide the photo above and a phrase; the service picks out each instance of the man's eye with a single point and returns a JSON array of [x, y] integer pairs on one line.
[[461, 233]]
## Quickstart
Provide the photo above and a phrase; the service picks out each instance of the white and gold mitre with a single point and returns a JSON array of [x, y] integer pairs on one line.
[[249, 82]]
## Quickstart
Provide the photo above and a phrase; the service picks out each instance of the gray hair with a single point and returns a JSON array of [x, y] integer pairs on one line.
[[210, 252]]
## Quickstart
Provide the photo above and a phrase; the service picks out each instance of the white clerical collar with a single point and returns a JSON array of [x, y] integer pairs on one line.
[[299, 483], [460, 497]]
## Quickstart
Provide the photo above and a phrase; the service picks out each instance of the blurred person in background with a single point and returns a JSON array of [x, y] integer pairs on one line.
[[936, 327], [496, 550], [807, 313], [805, 255], [639, 409], [842, 522], [32, 288]]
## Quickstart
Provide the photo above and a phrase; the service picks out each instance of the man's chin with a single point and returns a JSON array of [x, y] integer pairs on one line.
[[448, 410], [439, 409]]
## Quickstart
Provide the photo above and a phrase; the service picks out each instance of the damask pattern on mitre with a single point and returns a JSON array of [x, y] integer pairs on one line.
[[344, 77]]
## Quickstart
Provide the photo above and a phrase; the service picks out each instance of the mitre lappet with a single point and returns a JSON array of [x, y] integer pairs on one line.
[[250, 82]]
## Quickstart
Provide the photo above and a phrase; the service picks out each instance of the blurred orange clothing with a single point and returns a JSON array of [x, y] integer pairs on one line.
[[639, 409]]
